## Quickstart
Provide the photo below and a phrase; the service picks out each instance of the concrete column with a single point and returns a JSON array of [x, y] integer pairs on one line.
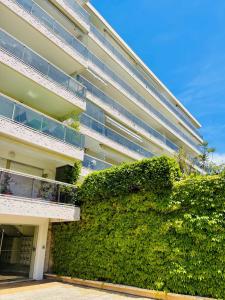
[[48, 253], [39, 257]]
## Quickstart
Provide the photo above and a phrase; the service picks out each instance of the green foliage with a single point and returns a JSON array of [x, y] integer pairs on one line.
[[204, 157], [170, 241], [71, 173], [185, 163], [156, 174], [72, 120], [68, 194], [215, 169]]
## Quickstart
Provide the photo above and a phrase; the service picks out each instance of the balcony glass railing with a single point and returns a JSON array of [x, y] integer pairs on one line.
[[34, 60], [32, 119], [113, 135], [116, 106], [42, 16], [94, 163], [78, 9], [100, 65], [59, 30], [148, 82], [67, 37], [16, 184]]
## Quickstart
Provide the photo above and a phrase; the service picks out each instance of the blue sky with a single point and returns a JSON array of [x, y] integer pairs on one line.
[[183, 42]]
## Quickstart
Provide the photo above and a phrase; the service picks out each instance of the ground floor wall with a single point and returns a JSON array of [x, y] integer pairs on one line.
[[39, 242]]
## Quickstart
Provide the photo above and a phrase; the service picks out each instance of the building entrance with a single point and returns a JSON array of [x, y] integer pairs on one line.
[[16, 248]]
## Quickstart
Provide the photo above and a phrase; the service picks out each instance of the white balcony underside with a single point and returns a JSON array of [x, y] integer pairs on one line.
[[24, 207], [23, 82], [37, 139], [110, 143]]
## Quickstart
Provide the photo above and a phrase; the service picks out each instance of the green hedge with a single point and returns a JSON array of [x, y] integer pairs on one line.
[[173, 242], [156, 174]]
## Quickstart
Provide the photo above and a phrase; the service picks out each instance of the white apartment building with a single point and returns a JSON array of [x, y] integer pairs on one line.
[[60, 62]]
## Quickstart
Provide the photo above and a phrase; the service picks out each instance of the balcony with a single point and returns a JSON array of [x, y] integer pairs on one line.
[[100, 128], [73, 9], [55, 27], [36, 128], [25, 186], [25, 195], [121, 110], [146, 80], [94, 163], [51, 24], [96, 62], [52, 78], [32, 59]]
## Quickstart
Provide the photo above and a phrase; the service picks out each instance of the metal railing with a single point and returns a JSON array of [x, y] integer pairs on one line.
[[116, 106], [40, 64], [148, 82], [94, 163], [113, 135], [27, 117], [78, 9], [42, 16], [21, 185]]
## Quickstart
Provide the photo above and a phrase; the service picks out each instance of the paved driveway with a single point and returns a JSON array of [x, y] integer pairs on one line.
[[57, 291]]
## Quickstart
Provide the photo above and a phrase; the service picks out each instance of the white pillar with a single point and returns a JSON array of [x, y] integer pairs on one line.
[[39, 256]]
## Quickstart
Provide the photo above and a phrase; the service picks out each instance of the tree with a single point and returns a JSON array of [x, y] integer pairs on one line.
[[185, 163], [204, 157], [216, 169]]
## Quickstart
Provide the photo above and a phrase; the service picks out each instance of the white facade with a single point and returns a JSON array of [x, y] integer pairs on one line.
[[60, 62]]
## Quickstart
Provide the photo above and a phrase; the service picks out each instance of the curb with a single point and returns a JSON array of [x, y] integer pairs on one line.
[[125, 289]]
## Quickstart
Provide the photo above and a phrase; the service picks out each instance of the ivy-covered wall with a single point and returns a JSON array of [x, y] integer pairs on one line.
[[171, 239]]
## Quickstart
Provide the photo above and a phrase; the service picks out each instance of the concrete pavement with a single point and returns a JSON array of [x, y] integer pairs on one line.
[[46, 290]]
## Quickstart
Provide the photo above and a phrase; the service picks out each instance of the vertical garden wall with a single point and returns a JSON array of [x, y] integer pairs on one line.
[[141, 225]]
